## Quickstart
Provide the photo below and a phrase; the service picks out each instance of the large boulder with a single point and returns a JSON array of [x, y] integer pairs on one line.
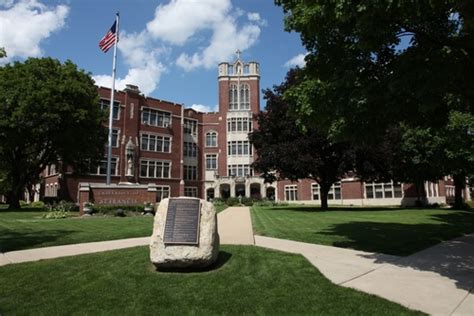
[[166, 255]]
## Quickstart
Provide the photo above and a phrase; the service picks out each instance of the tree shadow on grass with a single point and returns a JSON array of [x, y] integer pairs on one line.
[[222, 259], [453, 259], [26, 239], [315, 208]]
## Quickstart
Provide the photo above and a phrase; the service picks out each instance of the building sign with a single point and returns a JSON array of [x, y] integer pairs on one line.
[[118, 196]]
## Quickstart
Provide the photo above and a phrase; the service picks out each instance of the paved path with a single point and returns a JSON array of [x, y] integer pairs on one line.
[[438, 280], [235, 226]]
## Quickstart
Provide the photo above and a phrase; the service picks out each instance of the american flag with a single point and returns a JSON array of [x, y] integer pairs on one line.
[[109, 39]]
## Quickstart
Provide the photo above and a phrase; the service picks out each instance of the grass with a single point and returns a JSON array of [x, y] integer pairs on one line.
[[26, 229], [391, 231], [220, 207], [247, 280]]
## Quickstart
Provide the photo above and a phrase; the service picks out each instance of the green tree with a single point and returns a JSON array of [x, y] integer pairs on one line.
[[285, 151], [3, 53], [379, 66], [48, 113]]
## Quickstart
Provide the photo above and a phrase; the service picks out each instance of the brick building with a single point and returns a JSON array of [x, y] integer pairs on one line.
[[177, 151]]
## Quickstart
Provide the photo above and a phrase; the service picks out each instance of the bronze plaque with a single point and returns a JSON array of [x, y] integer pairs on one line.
[[182, 222]]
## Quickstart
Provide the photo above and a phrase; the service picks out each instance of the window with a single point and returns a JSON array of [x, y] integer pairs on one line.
[[211, 139], [189, 149], [334, 192], [104, 106], [190, 127], [156, 118], [101, 169], [239, 124], [244, 97], [162, 192], [379, 190], [431, 189], [155, 169], [239, 94], [233, 105], [190, 172], [155, 143], [115, 137], [239, 148], [51, 170], [211, 162], [291, 192], [191, 191], [239, 170]]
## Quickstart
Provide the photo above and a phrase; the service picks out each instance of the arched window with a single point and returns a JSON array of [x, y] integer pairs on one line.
[[233, 105], [244, 97], [211, 139]]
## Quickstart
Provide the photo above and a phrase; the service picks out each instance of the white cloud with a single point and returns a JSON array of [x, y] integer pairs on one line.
[[24, 25], [298, 60], [255, 17], [182, 20], [144, 69], [226, 39], [203, 108]]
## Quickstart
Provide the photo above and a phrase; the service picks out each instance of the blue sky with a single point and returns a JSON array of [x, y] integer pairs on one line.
[[170, 49]]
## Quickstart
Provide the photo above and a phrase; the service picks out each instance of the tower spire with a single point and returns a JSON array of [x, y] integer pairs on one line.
[[238, 52]]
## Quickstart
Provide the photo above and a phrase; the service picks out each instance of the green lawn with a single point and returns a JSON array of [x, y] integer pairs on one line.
[[26, 229], [390, 231], [247, 280]]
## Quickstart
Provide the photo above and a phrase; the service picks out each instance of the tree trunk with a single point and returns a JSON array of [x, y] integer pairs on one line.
[[13, 200], [421, 199], [459, 185], [324, 196]]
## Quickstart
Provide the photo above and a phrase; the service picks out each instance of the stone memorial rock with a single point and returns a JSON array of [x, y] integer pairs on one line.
[[184, 234]]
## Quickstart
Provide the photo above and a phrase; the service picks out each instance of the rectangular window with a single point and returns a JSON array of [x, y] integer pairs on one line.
[[155, 143], [239, 148], [155, 169], [190, 172], [156, 118], [239, 124], [239, 170], [334, 192], [379, 190], [190, 127], [189, 149], [315, 191], [191, 191], [101, 169], [115, 137], [211, 162], [291, 192], [162, 192], [105, 104]]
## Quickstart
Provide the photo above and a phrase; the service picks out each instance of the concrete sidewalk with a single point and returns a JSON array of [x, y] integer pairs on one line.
[[438, 280], [235, 226]]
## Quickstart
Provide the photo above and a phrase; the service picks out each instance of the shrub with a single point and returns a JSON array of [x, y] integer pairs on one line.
[[111, 209], [56, 214], [65, 206], [232, 201], [247, 201], [23, 203], [37, 204], [264, 202]]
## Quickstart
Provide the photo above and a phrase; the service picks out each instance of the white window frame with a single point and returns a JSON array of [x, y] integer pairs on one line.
[[160, 189], [115, 160], [211, 139], [241, 170], [194, 126], [379, 190], [104, 105], [291, 192], [166, 117], [149, 136], [213, 157], [156, 163], [191, 191]]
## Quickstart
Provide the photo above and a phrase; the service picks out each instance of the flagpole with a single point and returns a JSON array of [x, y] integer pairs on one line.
[[111, 107]]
